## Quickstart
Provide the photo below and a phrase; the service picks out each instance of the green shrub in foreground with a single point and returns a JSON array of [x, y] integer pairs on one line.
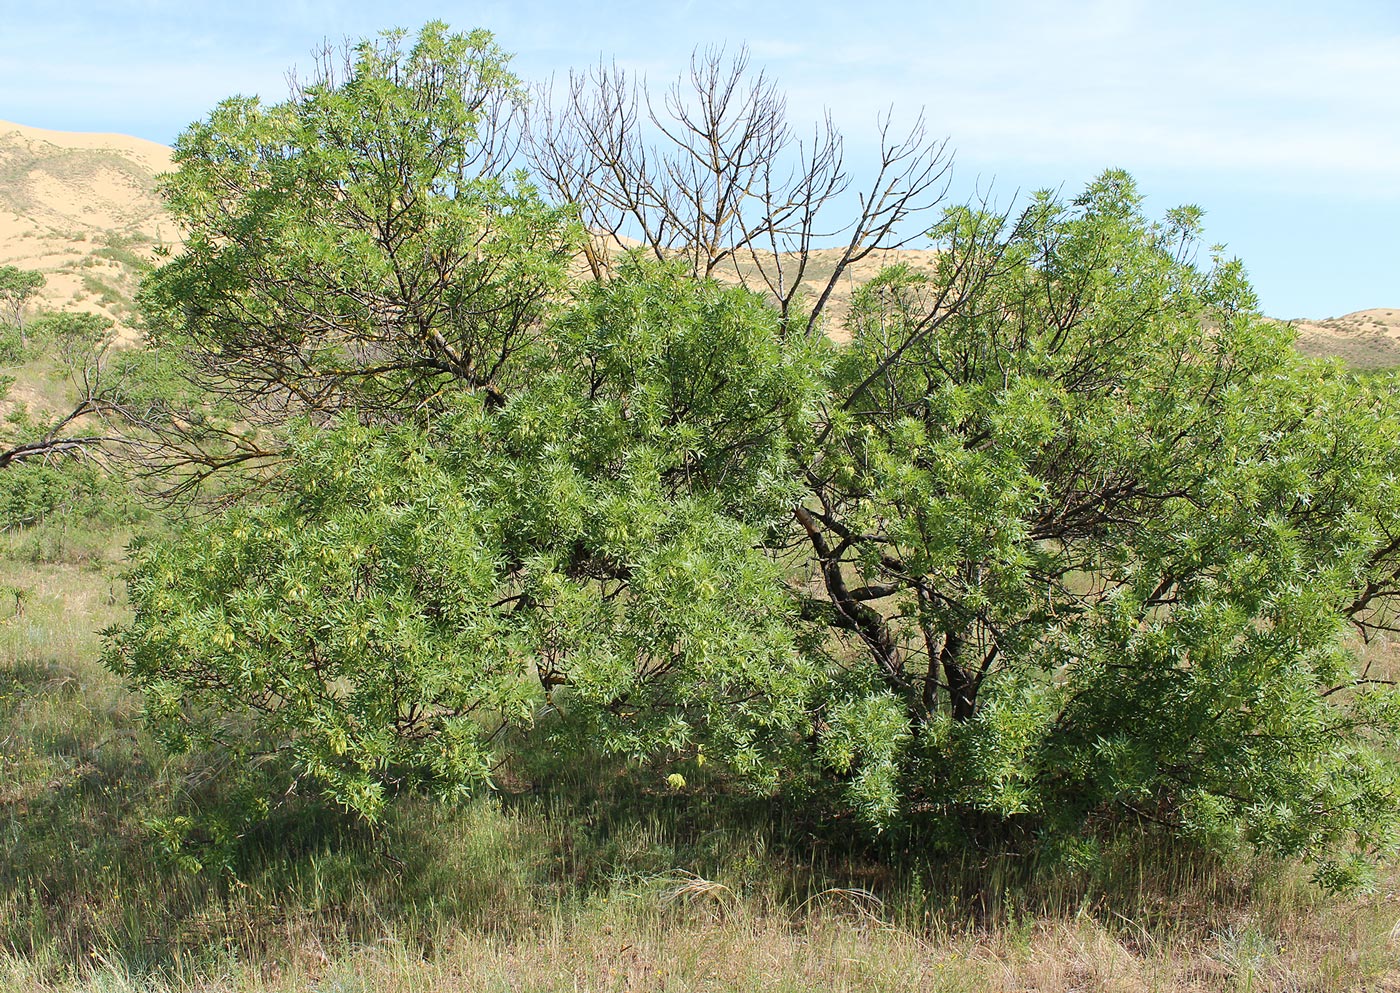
[[1067, 535]]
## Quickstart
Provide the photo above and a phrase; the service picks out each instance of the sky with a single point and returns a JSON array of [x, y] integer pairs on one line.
[[1281, 119]]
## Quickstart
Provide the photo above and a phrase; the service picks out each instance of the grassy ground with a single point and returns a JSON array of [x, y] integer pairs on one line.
[[590, 882]]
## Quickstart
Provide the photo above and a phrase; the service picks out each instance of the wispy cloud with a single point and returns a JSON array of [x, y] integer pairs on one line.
[[1125, 83]]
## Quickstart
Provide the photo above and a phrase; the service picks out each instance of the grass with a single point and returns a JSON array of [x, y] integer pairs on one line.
[[107, 295], [591, 880]]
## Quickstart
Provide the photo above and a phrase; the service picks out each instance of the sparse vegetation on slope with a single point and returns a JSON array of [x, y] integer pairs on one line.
[[82, 210], [1367, 339]]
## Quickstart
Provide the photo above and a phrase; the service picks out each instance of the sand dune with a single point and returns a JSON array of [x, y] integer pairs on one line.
[[152, 156], [81, 209]]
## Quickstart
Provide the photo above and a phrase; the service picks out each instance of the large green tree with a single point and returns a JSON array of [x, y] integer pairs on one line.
[[593, 543], [587, 488], [1067, 532]]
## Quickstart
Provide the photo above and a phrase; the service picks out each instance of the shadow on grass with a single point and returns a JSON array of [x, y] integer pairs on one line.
[[90, 812], [609, 823]]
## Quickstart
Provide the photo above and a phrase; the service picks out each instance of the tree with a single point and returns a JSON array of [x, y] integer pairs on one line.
[[713, 173], [591, 542], [17, 288], [358, 246], [81, 343], [610, 469], [109, 423], [58, 454], [1098, 535], [1067, 533]]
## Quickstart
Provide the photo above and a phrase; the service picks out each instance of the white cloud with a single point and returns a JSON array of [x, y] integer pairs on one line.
[[1120, 82]]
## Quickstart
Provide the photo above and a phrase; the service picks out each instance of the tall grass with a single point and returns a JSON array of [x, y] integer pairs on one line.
[[581, 876]]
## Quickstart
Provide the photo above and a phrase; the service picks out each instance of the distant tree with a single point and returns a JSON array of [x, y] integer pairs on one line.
[[124, 407], [80, 342], [17, 288]]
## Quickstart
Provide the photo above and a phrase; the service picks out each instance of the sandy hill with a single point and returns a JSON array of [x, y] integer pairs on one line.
[[1367, 339], [823, 262], [81, 209]]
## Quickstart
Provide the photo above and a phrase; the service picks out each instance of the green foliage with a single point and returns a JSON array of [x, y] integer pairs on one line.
[[11, 346], [44, 471], [28, 493], [68, 333], [1122, 530], [413, 593], [1067, 536], [37, 491], [61, 335], [37, 436], [357, 245], [119, 248], [353, 625], [106, 294], [17, 287]]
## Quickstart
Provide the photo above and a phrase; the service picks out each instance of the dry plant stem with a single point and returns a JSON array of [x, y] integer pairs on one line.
[[713, 173]]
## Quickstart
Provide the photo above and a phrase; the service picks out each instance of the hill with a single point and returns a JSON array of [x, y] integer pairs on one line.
[[1366, 339], [82, 209]]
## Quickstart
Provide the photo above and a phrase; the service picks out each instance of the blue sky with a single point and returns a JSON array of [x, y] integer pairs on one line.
[[1281, 119]]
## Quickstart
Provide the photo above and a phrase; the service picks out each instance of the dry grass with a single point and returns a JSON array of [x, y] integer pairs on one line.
[[588, 887], [646, 947]]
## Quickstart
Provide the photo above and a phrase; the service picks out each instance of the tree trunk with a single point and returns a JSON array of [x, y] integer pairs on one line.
[[962, 688]]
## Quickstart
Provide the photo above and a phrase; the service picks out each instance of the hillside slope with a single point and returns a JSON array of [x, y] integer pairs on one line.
[[81, 209], [1366, 339]]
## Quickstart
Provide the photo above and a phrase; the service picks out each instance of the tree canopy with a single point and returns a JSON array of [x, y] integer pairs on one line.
[[1066, 533]]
